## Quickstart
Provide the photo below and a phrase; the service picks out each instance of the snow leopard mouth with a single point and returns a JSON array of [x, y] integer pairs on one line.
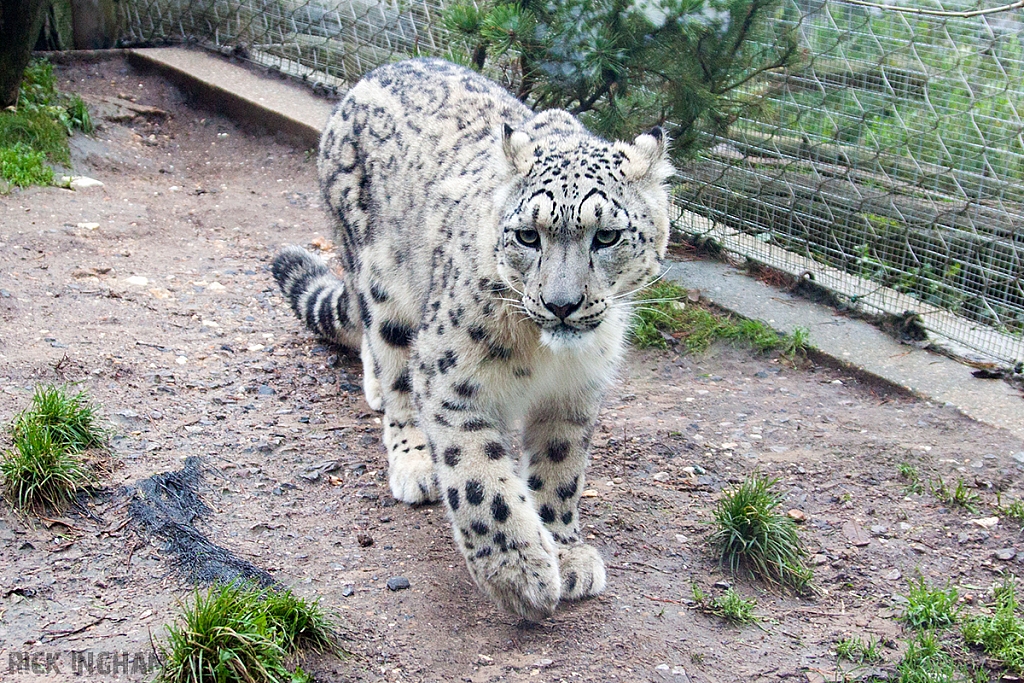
[[563, 336]]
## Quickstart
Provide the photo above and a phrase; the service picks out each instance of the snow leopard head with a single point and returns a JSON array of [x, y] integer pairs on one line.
[[582, 223]]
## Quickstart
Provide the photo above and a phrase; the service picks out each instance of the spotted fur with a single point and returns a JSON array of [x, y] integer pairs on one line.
[[489, 256]]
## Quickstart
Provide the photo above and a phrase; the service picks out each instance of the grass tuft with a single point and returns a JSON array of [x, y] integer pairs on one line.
[[859, 651], [730, 606], [909, 474], [1000, 634], [750, 531], [242, 633], [41, 474], [37, 129], [69, 418], [21, 166], [1014, 510], [925, 661], [931, 608], [661, 314], [44, 468], [958, 496]]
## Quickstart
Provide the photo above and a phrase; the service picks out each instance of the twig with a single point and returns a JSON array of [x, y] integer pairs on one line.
[[70, 632], [669, 600], [627, 569], [159, 347], [936, 12]]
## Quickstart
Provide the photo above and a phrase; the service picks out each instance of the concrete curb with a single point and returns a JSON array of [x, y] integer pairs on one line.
[[296, 112], [275, 105]]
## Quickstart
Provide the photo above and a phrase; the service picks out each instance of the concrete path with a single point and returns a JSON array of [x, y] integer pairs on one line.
[[281, 106]]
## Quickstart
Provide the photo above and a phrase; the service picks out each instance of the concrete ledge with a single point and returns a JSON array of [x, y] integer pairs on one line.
[[856, 343], [239, 93]]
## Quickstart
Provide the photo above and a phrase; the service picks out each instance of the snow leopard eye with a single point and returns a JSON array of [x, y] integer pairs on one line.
[[528, 238], [606, 238]]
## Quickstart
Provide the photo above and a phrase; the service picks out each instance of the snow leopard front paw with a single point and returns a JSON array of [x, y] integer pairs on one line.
[[410, 469], [582, 572], [521, 576]]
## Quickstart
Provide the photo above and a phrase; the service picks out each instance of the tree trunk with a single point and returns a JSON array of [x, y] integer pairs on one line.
[[20, 21]]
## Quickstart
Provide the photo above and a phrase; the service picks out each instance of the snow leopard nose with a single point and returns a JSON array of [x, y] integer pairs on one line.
[[562, 310]]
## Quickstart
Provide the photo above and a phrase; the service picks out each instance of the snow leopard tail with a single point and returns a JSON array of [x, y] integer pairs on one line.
[[319, 298]]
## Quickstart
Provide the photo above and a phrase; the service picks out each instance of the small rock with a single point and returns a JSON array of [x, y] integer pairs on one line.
[[985, 522], [660, 476], [399, 583], [855, 534], [663, 667], [1018, 457], [879, 530], [365, 541], [541, 663], [589, 493], [1005, 554], [216, 287], [893, 575], [84, 183], [484, 660], [266, 390], [797, 515], [681, 539], [348, 592], [138, 280], [819, 559], [724, 585], [87, 226]]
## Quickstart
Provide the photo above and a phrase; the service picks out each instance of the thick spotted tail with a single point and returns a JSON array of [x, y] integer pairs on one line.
[[319, 298]]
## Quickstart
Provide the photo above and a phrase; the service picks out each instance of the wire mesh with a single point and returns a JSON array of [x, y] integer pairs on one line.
[[887, 165]]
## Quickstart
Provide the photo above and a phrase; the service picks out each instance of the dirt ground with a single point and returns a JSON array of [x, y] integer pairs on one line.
[[154, 293]]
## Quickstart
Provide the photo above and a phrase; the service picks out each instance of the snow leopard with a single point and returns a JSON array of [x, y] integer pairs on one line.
[[489, 255]]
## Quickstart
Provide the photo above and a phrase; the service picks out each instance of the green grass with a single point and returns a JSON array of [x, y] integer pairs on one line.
[[931, 608], [751, 532], [241, 633], [859, 651], [958, 496], [909, 473], [730, 606], [1014, 510], [40, 474], [69, 418], [37, 129], [926, 661], [44, 468], [1000, 634], [661, 310], [21, 166]]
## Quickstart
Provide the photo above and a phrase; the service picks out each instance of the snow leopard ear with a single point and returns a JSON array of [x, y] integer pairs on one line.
[[518, 149], [647, 158]]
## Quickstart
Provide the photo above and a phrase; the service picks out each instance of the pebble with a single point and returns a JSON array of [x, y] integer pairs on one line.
[[266, 390], [348, 592], [661, 476], [138, 280], [1005, 554], [985, 522], [879, 529], [1018, 457], [797, 515], [398, 583]]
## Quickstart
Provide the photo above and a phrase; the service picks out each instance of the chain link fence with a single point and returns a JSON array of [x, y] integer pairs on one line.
[[887, 166]]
